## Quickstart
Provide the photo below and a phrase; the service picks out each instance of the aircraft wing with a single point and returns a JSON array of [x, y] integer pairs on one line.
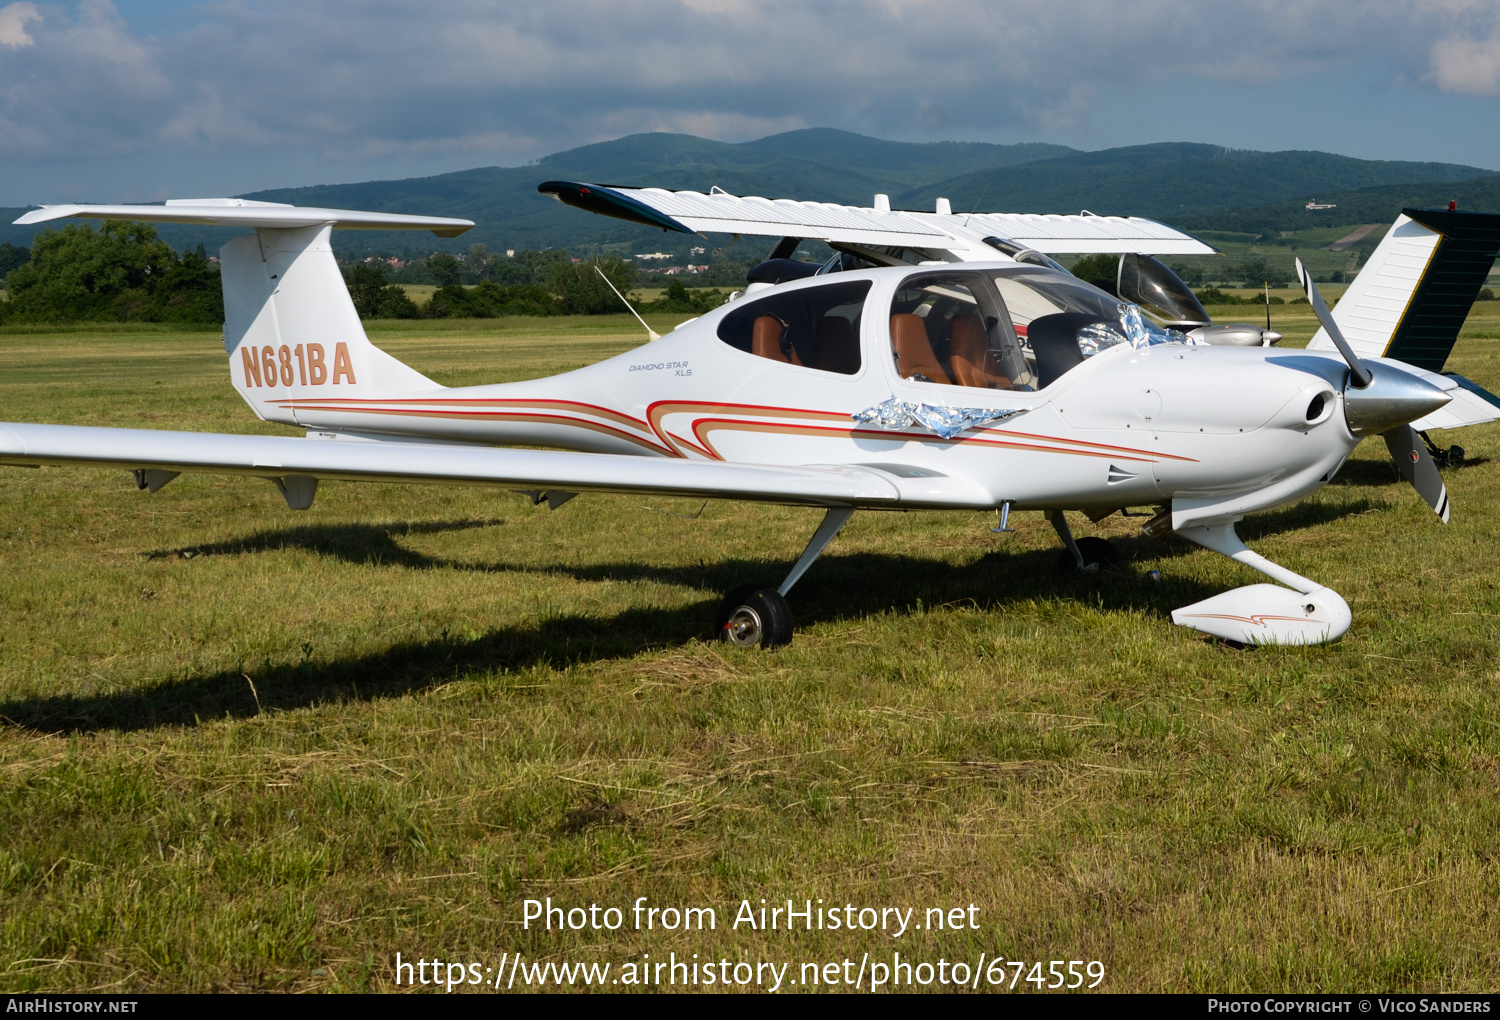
[[241, 212], [280, 457], [719, 212]]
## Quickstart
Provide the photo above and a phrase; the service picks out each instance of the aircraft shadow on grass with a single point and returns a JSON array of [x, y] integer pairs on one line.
[[838, 587]]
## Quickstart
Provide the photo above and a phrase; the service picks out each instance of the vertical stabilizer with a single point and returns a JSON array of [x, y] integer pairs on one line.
[[1412, 296], [291, 330]]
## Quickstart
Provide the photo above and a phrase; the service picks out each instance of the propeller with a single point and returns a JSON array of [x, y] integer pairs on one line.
[[1415, 464], [1382, 399], [1359, 375]]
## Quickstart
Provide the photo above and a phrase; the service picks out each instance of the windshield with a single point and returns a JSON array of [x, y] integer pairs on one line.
[[1158, 290], [1032, 293], [1060, 320]]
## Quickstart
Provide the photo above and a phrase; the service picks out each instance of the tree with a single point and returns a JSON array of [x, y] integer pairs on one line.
[[446, 270], [533, 267], [1189, 273], [374, 298], [121, 272], [1256, 272], [679, 299], [12, 257], [580, 291], [1098, 269], [478, 261]]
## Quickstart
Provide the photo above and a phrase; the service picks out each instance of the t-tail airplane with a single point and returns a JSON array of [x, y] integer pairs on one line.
[[983, 385]]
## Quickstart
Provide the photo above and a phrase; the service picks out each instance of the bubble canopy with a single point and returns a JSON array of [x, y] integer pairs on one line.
[[1147, 282]]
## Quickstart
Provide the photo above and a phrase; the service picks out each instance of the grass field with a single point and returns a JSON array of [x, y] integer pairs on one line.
[[248, 748]]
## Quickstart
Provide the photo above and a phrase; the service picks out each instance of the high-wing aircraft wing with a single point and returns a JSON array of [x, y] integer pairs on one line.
[[957, 233]]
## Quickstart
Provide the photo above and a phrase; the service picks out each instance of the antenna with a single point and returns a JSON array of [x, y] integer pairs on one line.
[[651, 333]]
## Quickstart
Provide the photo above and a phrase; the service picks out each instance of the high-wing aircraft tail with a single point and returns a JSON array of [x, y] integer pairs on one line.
[[290, 328], [1412, 296]]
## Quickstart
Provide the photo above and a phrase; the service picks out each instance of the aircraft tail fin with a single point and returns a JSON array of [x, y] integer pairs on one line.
[[1412, 296], [291, 329]]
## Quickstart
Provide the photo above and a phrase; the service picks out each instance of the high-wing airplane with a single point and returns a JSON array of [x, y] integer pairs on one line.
[[987, 385], [1407, 303]]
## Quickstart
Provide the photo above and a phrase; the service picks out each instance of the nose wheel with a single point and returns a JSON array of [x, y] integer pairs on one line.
[[754, 617]]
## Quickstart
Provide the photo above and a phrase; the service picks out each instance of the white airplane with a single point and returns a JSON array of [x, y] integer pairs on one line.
[[997, 385]]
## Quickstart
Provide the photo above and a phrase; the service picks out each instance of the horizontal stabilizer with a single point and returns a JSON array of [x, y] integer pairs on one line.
[[723, 213], [1472, 404], [240, 212], [364, 460]]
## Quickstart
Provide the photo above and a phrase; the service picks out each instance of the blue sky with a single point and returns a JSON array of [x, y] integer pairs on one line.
[[140, 101]]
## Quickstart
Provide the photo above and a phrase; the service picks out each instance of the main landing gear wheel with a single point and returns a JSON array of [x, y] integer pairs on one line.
[[1097, 553], [754, 617]]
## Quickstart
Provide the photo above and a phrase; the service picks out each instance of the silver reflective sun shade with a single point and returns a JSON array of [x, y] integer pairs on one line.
[[946, 421]]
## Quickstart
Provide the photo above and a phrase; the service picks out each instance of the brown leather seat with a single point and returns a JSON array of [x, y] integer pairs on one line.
[[970, 355], [838, 347], [765, 341], [913, 352]]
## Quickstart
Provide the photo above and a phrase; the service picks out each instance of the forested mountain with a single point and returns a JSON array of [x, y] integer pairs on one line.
[[1368, 205], [1180, 183], [1172, 181]]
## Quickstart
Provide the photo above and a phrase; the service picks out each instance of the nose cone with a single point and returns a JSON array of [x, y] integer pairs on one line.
[[1393, 398]]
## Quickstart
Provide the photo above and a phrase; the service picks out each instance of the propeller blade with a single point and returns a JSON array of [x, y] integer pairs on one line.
[[1415, 465], [1357, 370]]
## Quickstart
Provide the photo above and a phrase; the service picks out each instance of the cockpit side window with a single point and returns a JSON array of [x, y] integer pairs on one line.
[[811, 327], [951, 328]]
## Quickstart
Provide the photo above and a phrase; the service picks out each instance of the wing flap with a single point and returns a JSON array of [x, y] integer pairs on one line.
[[277, 456]]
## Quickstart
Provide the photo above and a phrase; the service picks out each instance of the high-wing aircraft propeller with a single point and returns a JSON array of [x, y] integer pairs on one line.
[[1001, 384]]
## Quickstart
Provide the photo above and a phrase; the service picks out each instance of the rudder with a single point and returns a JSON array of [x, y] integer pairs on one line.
[[1415, 291]]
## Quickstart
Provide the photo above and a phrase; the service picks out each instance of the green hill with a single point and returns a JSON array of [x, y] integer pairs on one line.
[[1180, 183], [1367, 205], [1174, 181]]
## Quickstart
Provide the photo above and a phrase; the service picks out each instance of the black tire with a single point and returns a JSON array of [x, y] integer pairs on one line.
[[754, 617], [1097, 552]]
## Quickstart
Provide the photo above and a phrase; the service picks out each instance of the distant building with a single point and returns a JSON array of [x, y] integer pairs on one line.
[[1315, 206], [655, 255]]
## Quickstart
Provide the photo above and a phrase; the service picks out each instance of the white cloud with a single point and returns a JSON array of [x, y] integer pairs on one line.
[[1468, 67], [355, 81], [13, 19]]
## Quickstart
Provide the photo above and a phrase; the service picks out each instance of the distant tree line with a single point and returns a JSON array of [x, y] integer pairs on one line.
[[542, 283], [121, 272]]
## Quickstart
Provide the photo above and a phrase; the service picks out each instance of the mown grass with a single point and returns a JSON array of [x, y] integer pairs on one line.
[[248, 748]]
